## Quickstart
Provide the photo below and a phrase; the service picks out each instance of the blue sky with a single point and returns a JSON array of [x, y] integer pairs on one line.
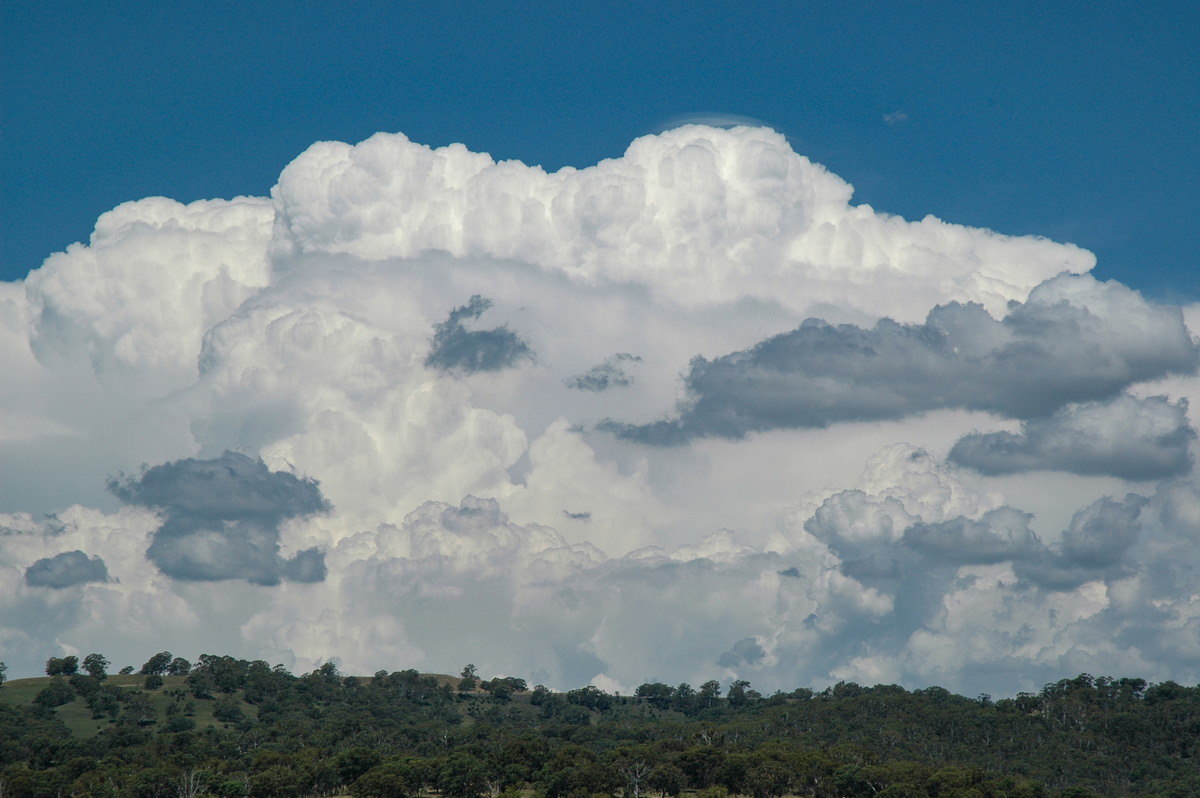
[[1073, 121]]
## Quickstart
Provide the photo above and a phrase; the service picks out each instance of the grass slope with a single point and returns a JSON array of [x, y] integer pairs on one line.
[[78, 718]]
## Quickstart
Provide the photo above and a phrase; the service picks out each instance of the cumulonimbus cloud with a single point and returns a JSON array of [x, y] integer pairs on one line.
[[467, 508]]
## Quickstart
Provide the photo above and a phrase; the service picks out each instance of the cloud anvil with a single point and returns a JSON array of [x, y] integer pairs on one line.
[[687, 413]]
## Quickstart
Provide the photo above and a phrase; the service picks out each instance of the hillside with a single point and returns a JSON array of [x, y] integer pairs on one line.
[[236, 728]]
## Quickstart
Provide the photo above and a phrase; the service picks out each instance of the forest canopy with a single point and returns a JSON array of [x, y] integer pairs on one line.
[[231, 727]]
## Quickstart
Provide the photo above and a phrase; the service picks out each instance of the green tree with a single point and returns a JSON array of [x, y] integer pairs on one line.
[[468, 679], [396, 778], [55, 694], [228, 710], [666, 779], [156, 665], [656, 694], [277, 781], [710, 691], [354, 762], [138, 711], [768, 780], [462, 776], [179, 667], [738, 695], [96, 665], [105, 702], [62, 666], [591, 697]]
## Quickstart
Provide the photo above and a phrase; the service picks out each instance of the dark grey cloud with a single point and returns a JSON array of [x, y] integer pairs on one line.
[[1095, 545], [746, 651], [583, 516], [1101, 533], [222, 517], [1048, 352], [1001, 534], [1125, 437], [608, 374], [307, 566], [66, 569], [457, 348]]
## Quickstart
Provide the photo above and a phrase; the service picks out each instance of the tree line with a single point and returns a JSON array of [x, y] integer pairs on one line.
[[225, 726]]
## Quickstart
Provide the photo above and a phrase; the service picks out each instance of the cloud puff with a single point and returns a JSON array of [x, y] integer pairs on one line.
[[222, 517], [696, 214], [456, 347], [170, 272], [1074, 340], [1136, 439], [747, 651], [1094, 546], [66, 569], [608, 374], [1001, 534]]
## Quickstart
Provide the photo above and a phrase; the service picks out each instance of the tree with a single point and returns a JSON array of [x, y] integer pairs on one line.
[[138, 711], [684, 698], [710, 691], [179, 667], [737, 693], [156, 665], [591, 697], [228, 710], [3, 673], [501, 690], [55, 694], [96, 665], [666, 779], [462, 776], [657, 694], [190, 784], [635, 772], [468, 680], [396, 778]]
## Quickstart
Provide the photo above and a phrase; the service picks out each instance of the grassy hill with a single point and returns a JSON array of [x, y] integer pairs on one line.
[[78, 716], [174, 692]]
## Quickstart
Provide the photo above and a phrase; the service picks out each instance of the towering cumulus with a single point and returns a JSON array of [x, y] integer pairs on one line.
[[689, 413]]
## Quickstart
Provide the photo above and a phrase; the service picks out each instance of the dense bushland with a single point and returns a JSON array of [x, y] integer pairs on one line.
[[230, 727]]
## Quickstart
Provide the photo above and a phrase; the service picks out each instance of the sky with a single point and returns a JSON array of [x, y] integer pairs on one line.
[[800, 344]]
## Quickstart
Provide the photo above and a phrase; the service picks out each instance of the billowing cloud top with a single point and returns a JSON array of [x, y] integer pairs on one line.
[[424, 355]]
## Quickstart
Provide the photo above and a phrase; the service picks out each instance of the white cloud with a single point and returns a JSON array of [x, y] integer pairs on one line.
[[477, 515], [698, 215]]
